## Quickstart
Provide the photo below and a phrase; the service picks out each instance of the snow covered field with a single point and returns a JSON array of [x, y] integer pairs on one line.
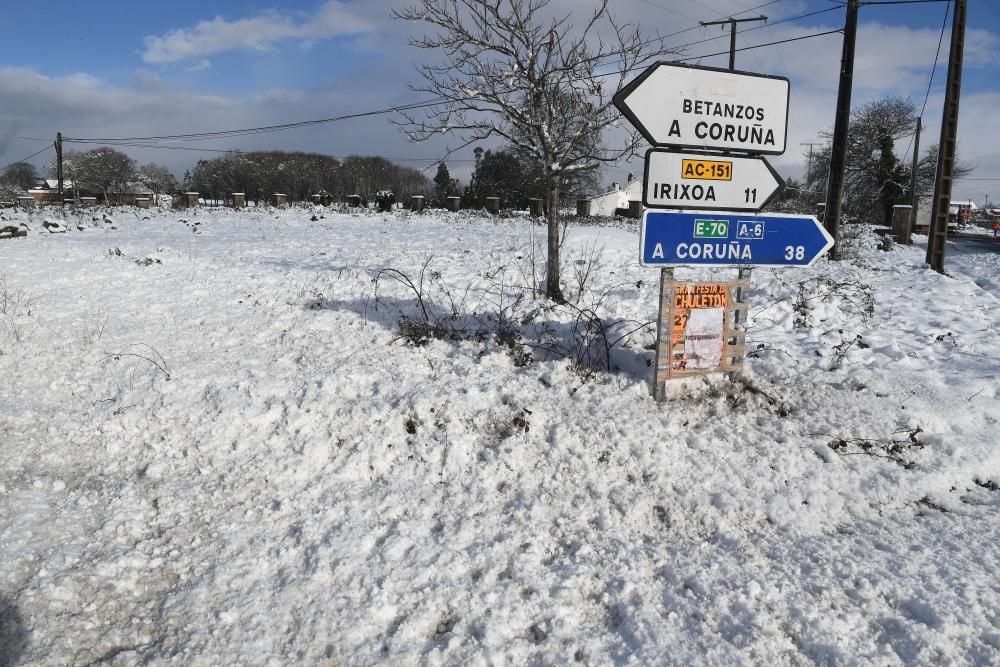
[[217, 448]]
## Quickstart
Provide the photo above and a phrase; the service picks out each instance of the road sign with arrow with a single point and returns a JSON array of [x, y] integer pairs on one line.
[[707, 181], [692, 106], [731, 239]]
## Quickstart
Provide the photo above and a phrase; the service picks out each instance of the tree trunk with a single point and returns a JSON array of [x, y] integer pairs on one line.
[[552, 289]]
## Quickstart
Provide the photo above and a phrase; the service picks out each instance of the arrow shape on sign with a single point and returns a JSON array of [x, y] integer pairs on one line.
[[692, 106], [716, 238], [707, 181]]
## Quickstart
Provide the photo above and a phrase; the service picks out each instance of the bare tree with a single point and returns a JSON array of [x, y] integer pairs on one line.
[[157, 178], [514, 72]]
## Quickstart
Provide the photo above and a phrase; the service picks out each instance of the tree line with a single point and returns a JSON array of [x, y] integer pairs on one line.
[[105, 171]]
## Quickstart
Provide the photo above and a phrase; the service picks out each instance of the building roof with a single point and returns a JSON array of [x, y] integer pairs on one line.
[[52, 184], [136, 188]]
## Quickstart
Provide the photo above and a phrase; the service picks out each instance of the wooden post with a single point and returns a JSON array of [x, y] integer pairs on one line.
[[493, 205], [742, 275], [661, 361], [673, 358]]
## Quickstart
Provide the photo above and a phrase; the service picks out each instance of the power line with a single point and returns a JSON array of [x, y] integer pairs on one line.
[[29, 157], [722, 36], [199, 136], [256, 130], [758, 46], [937, 54], [930, 80], [220, 134], [145, 142], [667, 9], [900, 2], [240, 151]]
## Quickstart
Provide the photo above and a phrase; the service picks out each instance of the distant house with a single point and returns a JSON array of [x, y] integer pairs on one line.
[[133, 190], [960, 212], [47, 190], [616, 198]]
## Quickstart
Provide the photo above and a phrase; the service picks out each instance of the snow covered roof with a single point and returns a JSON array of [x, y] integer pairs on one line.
[[52, 184], [137, 188]]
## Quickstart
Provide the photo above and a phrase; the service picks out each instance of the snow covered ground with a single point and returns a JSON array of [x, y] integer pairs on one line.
[[219, 448]]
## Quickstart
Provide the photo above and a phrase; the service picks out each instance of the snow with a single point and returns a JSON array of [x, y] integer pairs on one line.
[[219, 450]]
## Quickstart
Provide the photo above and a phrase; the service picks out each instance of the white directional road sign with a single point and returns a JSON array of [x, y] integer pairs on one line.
[[688, 106], [707, 181]]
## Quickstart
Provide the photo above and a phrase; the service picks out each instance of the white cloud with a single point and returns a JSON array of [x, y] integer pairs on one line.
[[257, 33]]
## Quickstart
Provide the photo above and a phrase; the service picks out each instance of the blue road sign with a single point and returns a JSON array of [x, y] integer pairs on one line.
[[711, 238]]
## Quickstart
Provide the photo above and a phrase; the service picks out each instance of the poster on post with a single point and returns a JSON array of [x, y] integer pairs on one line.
[[698, 333]]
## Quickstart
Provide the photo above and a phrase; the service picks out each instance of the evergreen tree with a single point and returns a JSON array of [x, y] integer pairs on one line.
[[444, 185]]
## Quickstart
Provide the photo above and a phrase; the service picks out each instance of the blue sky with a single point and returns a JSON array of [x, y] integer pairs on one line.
[[114, 68]]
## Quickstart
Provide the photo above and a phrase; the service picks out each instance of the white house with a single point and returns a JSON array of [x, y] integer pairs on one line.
[[615, 198]]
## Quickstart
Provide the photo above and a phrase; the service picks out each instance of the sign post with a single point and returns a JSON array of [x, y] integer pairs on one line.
[[709, 128]]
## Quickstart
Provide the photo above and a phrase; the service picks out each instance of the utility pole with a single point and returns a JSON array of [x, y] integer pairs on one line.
[[59, 170], [731, 22], [743, 273], [938, 232], [838, 153], [913, 175], [809, 164]]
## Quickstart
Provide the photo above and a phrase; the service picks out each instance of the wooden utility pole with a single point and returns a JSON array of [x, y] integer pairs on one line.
[[744, 273], [943, 180], [913, 174], [731, 22], [838, 152], [59, 169]]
